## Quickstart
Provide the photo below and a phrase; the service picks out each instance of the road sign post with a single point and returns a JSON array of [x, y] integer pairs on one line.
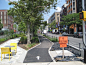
[[63, 40], [63, 52]]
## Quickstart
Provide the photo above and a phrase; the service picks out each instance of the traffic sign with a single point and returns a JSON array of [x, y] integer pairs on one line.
[[63, 45], [82, 15], [63, 40]]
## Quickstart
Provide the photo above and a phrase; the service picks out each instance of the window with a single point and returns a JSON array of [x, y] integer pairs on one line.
[[69, 7], [1, 21], [74, 4], [73, 8], [5, 21], [58, 19], [1, 13], [57, 14], [71, 0], [4, 17], [1, 17], [4, 13]]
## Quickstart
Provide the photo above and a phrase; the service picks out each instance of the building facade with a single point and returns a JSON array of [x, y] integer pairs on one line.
[[6, 20], [63, 12], [55, 16], [71, 8]]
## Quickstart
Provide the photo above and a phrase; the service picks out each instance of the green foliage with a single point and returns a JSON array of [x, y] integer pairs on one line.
[[51, 39], [30, 12], [11, 32], [14, 26], [35, 39], [23, 40], [52, 25], [1, 25], [44, 24], [64, 29], [22, 27], [31, 45], [2, 40], [71, 19], [1, 32]]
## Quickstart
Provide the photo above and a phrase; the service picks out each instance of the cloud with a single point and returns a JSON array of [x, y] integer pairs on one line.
[[58, 9]]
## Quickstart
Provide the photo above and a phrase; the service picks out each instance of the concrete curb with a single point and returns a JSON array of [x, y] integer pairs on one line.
[[22, 57]]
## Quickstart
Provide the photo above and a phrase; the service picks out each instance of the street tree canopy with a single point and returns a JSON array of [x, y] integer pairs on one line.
[[30, 11], [44, 23], [22, 27], [52, 25], [71, 19]]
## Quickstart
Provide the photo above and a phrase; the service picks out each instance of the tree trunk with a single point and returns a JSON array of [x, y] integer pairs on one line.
[[28, 35]]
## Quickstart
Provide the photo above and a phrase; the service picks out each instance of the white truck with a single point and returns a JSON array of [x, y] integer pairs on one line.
[[53, 31], [44, 31]]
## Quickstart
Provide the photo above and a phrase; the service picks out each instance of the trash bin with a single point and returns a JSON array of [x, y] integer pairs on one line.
[[84, 55]]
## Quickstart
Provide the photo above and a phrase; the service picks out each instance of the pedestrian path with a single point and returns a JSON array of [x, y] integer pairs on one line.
[[16, 58]]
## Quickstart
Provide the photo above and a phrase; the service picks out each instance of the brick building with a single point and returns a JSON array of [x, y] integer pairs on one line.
[[6, 20]]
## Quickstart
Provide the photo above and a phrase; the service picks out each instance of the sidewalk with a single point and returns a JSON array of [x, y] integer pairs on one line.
[[16, 58]]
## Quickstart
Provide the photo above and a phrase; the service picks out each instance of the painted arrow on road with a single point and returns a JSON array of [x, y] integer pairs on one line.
[[38, 57]]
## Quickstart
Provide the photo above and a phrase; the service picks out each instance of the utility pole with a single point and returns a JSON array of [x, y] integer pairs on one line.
[[83, 26]]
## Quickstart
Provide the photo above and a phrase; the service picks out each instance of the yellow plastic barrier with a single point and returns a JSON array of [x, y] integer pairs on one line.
[[15, 47], [5, 50]]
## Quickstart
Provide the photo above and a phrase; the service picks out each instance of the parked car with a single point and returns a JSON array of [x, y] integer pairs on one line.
[[78, 34], [64, 34]]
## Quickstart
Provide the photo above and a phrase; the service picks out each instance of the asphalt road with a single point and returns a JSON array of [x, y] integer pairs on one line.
[[72, 40], [39, 53]]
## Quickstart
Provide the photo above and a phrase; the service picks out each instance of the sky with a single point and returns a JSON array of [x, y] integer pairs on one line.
[[4, 6]]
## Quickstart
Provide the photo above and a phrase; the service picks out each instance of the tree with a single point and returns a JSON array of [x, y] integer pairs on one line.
[[15, 26], [64, 29], [1, 25], [22, 27], [30, 11], [71, 19], [52, 24], [44, 23]]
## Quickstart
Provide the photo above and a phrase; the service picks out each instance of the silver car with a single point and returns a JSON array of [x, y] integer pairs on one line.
[[64, 34], [78, 34]]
